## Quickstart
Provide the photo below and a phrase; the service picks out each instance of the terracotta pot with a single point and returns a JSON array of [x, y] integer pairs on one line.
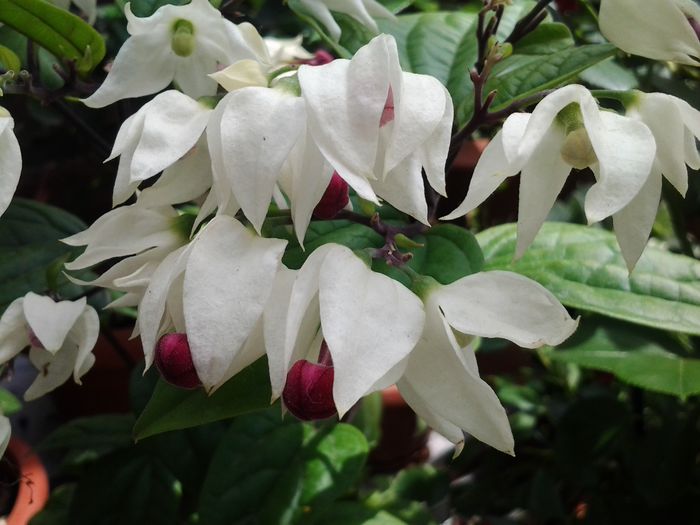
[[33, 483], [401, 443]]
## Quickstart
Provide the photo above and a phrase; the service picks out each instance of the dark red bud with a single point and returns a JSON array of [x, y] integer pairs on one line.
[[334, 199], [308, 392], [567, 6], [320, 57], [174, 361]]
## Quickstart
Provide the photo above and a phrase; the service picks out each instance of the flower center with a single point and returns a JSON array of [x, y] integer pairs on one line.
[[577, 149], [183, 42]]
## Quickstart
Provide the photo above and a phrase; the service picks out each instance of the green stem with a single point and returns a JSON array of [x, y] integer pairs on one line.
[[587, 5]]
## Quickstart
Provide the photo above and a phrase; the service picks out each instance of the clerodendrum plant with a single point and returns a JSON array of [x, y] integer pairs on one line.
[[268, 141]]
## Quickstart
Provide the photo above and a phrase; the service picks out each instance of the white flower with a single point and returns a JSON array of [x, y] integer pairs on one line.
[[566, 130], [145, 236], [369, 322], [10, 160], [377, 126], [364, 11], [441, 381], [5, 434], [250, 136], [286, 50], [89, 7], [154, 138], [675, 125], [177, 43], [658, 29], [61, 336], [214, 290]]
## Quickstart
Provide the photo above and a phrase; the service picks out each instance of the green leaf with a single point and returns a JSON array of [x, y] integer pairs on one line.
[[583, 267], [171, 408], [89, 438], [274, 472], [609, 74], [9, 404], [9, 61], [354, 236], [368, 418], [126, 488], [642, 357], [63, 34], [29, 243], [143, 8]]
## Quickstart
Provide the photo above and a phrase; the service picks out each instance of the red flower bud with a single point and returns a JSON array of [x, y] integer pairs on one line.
[[174, 361], [308, 392], [334, 199], [320, 57]]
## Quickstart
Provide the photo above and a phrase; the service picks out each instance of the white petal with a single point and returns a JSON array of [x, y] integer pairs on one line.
[[172, 125], [152, 307], [257, 143], [543, 116], [228, 280], [310, 175], [541, 181], [244, 73], [10, 163], [403, 189], [189, 178], [274, 328], [54, 370], [660, 31], [13, 331], [665, 121], [625, 149], [145, 64], [84, 334], [490, 172], [434, 151], [5, 434], [505, 305], [422, 104], [321, 12], [634, 222], [370, 322], [124, 231], [345, 100], [440, 386], [51, 321]]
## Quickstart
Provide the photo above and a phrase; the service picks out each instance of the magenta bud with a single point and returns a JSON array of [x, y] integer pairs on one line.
[[174, 361], [320, 57], [388, 111], [334, 199], [308, 392]]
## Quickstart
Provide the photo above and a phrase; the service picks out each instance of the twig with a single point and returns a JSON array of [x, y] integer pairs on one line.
[[529, 22]]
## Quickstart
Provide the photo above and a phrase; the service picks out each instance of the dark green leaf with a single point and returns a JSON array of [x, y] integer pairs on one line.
[[101, 434], [639, 356], [63, 34], [583, 267], [271, 471], [354, 236], [368, 418], [143, 8], [124, 489], [56, 510], [29, 243], [171, 408]]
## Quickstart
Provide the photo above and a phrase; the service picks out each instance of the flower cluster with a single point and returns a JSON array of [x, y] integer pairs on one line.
[[239, 123]]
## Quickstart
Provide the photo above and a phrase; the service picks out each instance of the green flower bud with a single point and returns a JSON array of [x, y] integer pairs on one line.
[[183, 41]]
